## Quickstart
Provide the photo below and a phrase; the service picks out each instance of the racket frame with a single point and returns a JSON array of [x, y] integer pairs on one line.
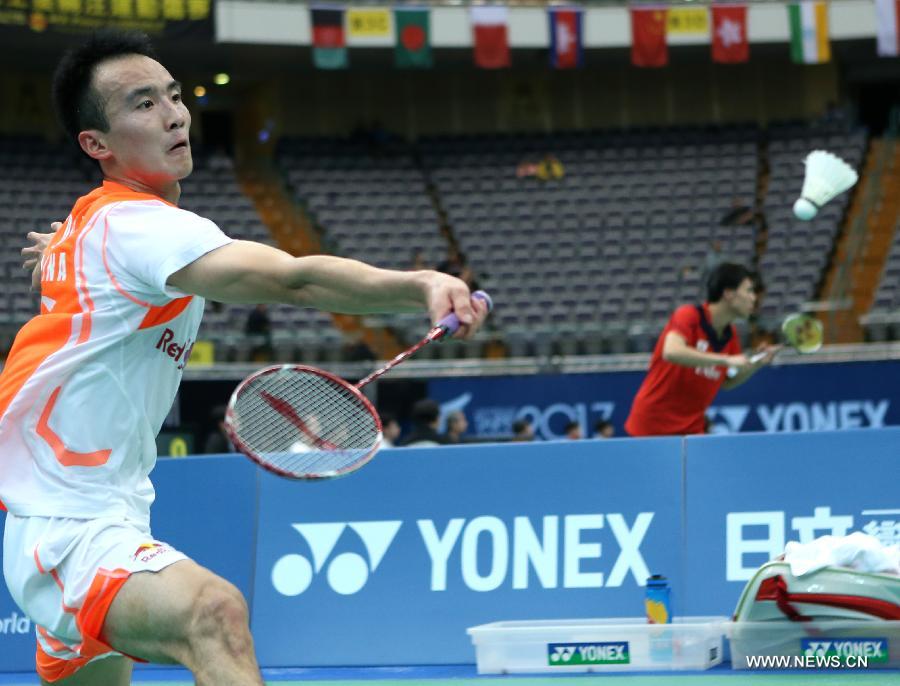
[[240, 445], [756, 357]]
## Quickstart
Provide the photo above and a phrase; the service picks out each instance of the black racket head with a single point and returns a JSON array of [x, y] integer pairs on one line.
[[302, 423]]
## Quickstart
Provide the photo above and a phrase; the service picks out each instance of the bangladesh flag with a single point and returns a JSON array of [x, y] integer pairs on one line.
[[413, 49]]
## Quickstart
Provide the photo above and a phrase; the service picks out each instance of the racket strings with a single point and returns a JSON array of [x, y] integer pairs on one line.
[[803, 332], [304, 423]]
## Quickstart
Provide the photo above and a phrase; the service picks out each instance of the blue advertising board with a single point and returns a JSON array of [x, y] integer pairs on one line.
[[784, 398], [206, 507], [16, 630], [393, 564], [747, 496]]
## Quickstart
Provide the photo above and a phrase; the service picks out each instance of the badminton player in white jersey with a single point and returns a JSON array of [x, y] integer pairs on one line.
[[88, 382]]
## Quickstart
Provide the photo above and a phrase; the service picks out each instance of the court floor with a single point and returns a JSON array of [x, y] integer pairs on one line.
[[465, 675]]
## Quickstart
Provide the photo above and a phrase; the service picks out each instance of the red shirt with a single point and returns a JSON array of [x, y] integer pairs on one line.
[[673, 399]]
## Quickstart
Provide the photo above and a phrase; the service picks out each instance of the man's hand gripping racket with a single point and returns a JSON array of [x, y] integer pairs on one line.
[[304, 423], [802, 332]]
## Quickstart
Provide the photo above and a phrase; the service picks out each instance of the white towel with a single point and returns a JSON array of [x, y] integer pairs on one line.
[[857, 551]]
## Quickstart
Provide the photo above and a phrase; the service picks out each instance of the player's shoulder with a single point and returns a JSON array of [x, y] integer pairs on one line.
[[154, 211], [686, 313]]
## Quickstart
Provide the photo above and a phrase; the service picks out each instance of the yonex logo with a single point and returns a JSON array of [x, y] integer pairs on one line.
[[874, 649], [347, 572], [569, 654], [817, 648]]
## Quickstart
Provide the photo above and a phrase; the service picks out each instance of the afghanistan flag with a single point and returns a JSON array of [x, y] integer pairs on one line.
[[329, 43]]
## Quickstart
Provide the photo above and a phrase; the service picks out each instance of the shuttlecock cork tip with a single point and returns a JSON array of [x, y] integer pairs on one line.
[[827, 175], [804, 209]]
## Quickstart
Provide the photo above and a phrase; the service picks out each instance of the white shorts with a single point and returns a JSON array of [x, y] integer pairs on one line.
[[65, 573]]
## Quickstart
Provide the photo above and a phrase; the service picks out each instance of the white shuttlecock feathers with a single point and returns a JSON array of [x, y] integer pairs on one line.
[[827, 175]]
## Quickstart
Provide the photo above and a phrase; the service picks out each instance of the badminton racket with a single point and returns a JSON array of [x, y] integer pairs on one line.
[[801, 331], [305, 423]]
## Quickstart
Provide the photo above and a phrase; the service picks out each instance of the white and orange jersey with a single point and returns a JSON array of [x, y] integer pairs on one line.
[[89, 381]]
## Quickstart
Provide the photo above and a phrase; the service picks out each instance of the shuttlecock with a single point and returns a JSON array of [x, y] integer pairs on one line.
[[827, 175]]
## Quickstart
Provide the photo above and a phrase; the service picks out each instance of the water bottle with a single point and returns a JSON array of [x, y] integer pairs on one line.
[[656, 600]]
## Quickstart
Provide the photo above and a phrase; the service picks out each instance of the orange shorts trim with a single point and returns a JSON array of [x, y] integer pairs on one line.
[[52, 669], [89, 620]]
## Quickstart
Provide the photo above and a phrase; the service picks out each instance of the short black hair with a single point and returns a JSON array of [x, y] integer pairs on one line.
[[425, 411], [520, 425], [77, 104], [727, 276]]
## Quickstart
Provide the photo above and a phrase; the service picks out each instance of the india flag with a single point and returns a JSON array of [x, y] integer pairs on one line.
[[887, 15], [809, 32]]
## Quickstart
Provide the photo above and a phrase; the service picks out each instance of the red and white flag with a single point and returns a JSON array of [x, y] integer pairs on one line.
[[648, 37], [887, 13], [491, 41], [729, 34]]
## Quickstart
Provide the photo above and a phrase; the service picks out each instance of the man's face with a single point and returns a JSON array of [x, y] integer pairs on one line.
[[742, 300], [391, 430], [149, 125]]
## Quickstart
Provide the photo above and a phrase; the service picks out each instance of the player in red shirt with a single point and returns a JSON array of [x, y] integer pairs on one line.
[[692, 357]]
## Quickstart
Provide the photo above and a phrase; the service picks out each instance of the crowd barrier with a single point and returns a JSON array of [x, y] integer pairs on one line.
[[786, 398], [390, 565]]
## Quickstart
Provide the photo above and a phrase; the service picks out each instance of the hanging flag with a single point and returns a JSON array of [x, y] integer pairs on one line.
[[413, 48], [729, 34], [809, 32], [648, 37], [566, 45], [368, 23], [687, 21], [887, 15], [329, 43], [491, 41]]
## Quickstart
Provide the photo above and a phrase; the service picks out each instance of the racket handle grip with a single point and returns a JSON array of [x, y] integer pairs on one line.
[[450, 323], [753, 359]]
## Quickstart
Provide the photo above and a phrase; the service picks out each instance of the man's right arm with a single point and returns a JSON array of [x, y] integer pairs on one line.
[[677, 351], [247, 272]]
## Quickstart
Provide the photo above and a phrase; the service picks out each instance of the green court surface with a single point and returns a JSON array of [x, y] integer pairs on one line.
[[781, 679], [819, 679], [715, 677]]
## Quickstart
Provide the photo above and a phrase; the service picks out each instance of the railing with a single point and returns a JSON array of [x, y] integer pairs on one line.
[[859, 230], [553, 364]]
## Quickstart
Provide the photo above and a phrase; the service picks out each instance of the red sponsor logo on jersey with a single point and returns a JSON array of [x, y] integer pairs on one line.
[[147, 551], [179, 352]]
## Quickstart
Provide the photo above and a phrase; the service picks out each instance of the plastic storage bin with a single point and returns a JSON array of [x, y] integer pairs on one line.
[[819, 644], [597, 645]]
